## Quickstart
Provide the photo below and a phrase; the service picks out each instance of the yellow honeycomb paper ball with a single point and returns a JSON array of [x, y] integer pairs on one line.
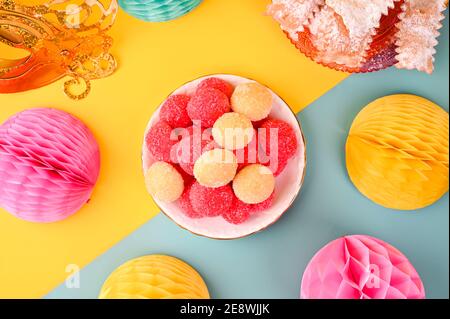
[[154, 277], [398, 152]]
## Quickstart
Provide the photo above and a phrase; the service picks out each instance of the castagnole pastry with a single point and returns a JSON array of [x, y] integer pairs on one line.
[[252, 100], [164, 182], [233, 131], [215, 168], [361, 35], [254, 184]]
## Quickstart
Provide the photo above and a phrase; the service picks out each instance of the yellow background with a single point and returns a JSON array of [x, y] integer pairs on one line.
[[220, 36]]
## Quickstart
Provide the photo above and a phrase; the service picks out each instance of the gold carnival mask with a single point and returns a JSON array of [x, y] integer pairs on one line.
[[61, 38]]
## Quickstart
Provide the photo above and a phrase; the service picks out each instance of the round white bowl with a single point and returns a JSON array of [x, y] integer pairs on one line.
[[288, 183]]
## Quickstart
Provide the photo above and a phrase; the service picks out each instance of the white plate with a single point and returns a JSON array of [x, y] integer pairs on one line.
[[288, 184]]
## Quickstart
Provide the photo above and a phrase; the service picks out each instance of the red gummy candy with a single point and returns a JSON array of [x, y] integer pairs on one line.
[[256, 208], [207, 105], [257, 124], [239, 205], [241, 212], [286, 147], [236, 217], [211, 202], [249, 154], [218, 84], [189, 131], [279, 168], [159, 141], [174, 111], [186, 177], [191, 147], [277, 164], [188, 152], [287, 139], [186, 206]]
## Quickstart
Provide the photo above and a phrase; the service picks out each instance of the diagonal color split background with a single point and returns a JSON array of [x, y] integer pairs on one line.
[[156, 58], [270, 264], [232, 36]]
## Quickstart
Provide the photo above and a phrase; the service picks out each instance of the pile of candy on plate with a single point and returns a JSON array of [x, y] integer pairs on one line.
[[361, 35], [218, 151]]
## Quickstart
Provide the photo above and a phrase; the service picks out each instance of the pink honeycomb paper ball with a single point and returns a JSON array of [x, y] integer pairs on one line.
[[360, 267], [49, 164]]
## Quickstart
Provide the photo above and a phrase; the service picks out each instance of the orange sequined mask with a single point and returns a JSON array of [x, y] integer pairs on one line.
[[62, 37]]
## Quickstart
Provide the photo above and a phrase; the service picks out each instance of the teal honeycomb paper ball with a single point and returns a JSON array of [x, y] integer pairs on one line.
[[158, 10]]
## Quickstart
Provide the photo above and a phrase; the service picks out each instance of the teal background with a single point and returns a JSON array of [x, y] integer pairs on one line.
[[270, 264]]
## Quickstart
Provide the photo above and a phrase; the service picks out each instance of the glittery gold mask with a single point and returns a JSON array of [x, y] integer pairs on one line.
[[62, 38]]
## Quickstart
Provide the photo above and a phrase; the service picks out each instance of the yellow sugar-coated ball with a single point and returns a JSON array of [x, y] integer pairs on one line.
[[254, 184], [154, 277], [398, 152], [252, 100], [164, 182], [233, 131], [215, 168]]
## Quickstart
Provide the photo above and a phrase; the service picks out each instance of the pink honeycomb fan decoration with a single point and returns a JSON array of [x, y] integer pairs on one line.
[[49, 164], [360, 267]]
